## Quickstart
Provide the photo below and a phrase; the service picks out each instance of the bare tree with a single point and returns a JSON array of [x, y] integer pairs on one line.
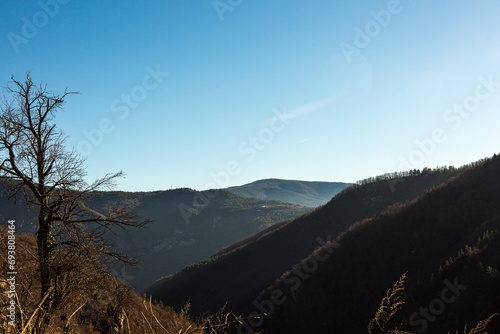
[[38, 165]]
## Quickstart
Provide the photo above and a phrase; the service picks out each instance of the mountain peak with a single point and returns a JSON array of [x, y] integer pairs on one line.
[[305, 193]]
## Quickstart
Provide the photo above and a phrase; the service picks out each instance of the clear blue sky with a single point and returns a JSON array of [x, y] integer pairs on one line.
[[362, 84]]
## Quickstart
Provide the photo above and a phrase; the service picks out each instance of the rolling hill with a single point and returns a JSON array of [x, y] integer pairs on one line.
[[303, 193], [188, 226]]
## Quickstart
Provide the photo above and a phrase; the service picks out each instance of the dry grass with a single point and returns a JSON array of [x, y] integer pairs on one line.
[[389, 306], [95, 303], [480, 327], [392, 303]]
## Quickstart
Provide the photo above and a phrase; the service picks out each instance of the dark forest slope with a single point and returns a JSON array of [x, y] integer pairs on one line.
[[434, 236], [239, 272]]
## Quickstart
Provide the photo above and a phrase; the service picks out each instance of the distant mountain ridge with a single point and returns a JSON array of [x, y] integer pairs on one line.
[[173, 242], [304, 193]]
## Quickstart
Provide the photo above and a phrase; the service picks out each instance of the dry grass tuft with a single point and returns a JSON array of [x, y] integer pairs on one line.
[[389, 306]]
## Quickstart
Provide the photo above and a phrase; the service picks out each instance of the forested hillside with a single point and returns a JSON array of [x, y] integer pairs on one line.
[[238, 273], [187, 226], [446, 238]]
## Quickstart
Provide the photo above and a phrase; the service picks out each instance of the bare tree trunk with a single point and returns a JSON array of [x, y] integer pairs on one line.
[[45, 242]]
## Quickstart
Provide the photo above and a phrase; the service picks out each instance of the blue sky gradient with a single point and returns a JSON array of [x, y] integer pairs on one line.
[[185, 93]]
